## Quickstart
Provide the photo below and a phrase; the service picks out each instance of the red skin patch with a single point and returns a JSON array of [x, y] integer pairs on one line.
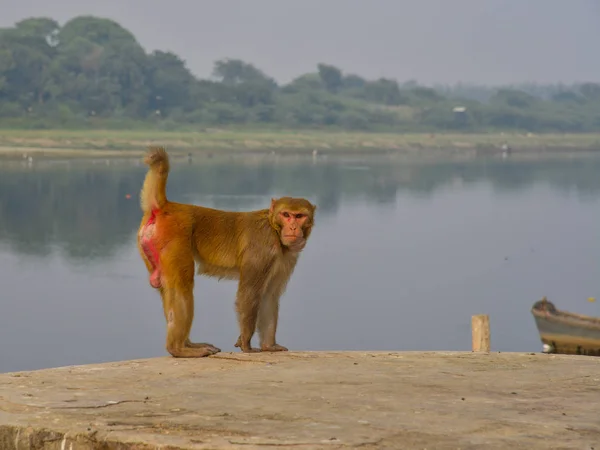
[[150, 250]]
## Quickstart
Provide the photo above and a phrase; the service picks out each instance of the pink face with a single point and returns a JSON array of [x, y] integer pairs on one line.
[[292, 234], [293, 219], [292, 223]]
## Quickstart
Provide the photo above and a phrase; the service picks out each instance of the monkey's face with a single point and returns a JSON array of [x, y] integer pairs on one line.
[[293, 219], [293, 225]]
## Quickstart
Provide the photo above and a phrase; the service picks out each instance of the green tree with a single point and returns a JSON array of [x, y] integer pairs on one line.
[[330, 76], [169, 82], [92, 71], [235, 71]]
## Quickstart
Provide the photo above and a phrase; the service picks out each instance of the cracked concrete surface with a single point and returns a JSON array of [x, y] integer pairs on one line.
[[433, 400]]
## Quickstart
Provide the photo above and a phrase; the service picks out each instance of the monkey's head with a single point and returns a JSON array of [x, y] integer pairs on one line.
[[293, 219]]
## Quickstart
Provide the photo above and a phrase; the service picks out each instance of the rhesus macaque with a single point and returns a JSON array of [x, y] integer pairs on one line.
[[258, 248]]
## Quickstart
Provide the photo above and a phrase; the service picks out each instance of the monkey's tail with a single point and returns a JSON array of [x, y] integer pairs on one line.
[[154, 195]]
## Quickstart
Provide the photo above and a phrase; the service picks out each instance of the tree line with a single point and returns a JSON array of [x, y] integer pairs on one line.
[[92, 72]]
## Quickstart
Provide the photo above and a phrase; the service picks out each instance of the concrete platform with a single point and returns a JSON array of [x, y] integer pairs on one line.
[[308, 400]]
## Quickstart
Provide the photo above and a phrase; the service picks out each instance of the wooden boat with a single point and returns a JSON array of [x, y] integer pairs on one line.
[[564, 332]]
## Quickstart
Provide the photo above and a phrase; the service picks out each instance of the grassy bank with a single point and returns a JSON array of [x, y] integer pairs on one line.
[[118, 142]]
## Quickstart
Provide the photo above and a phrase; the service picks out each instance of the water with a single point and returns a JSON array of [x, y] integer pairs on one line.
[[401, 256]]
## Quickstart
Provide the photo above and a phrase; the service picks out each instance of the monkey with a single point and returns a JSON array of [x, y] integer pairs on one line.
[[259, 249]]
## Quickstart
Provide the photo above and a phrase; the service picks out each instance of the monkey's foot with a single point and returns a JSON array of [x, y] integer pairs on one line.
[[246, 348], [251, 350], [189, 352], [274, 348], [205, 345]]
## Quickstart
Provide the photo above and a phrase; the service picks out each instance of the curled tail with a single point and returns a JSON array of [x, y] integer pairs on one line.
[[153, 195]]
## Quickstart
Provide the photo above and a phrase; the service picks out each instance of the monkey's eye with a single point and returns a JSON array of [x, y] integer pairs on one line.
[[285, 214], [299, 216]]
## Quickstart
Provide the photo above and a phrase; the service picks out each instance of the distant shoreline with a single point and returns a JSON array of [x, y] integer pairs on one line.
[[119, 143]]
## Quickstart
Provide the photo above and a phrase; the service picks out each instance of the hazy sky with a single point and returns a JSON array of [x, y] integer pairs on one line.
[[486, 41]]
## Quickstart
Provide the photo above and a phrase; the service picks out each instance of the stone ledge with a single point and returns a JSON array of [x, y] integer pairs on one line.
[[307, 400]]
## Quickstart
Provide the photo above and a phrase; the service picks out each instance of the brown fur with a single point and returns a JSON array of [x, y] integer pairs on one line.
[[258, 248]]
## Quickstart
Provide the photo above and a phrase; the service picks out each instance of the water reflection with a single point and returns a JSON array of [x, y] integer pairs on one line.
[[401, 256]]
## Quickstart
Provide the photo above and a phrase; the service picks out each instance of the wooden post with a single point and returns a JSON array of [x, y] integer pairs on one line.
[[480, 333]]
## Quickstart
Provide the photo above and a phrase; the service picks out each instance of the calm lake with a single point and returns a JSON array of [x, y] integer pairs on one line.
[[401, 256]]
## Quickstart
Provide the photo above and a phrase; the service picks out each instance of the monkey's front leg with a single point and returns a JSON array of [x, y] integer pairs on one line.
[[246, 305], [268, 315]]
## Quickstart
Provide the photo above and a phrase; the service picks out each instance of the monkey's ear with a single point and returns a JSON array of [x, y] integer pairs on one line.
[[314, 208], [272, 205]]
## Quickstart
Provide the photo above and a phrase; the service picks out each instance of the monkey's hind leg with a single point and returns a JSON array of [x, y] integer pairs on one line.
[[178, 301]]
